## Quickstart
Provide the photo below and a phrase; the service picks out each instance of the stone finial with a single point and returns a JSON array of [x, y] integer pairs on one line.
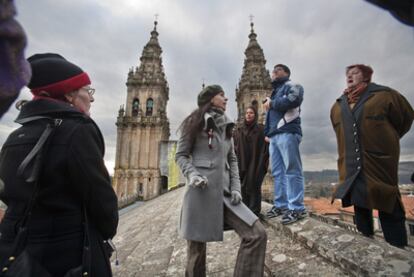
[[121, 111], [155, 25]]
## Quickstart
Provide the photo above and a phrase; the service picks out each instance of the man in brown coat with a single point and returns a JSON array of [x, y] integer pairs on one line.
[[369, 121]]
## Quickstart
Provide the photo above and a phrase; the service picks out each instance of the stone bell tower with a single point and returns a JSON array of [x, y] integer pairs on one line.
[[141, 126], [255, 83]]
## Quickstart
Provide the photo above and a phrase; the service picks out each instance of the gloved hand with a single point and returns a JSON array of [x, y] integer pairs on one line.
[[198, 181], [236, 197]]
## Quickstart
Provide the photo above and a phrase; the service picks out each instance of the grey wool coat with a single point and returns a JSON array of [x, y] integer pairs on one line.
[[202, 210]]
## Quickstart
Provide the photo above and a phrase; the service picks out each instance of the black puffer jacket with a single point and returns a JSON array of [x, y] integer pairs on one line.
[[73, 170]]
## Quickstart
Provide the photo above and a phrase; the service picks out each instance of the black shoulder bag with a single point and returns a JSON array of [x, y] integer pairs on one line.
[[20, 263]]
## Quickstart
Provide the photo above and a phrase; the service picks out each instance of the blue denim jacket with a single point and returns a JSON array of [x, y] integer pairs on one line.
[[285, 97]]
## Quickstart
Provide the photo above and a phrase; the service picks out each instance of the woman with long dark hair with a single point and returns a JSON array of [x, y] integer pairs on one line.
[[206, 156]]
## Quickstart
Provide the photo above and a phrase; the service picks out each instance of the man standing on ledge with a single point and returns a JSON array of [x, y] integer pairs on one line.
[[285, 134]]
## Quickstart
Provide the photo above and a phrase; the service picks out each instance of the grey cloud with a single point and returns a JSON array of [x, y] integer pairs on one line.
[[207, 39]]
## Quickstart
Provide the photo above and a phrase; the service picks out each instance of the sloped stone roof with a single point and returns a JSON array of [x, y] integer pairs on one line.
[[149, 245]]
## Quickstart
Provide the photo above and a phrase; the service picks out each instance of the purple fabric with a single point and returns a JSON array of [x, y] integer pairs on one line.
[[14, 69]]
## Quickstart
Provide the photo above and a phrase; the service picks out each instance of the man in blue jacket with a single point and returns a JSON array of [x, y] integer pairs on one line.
[[285, 134]]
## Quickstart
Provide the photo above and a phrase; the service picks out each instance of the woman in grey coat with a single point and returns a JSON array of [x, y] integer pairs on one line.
[[205, 154]]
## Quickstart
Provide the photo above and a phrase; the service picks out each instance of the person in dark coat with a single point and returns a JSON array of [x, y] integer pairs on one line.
[[369, 120], [253, 159], [73, 174], [205, 154]]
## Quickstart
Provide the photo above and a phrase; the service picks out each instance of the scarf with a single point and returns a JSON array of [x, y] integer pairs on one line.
[[218, 116], [279, 81], [353, 93], [248, 127]]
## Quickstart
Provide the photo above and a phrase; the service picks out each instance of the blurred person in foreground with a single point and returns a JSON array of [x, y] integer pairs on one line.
[[14, 69], [369, 120]]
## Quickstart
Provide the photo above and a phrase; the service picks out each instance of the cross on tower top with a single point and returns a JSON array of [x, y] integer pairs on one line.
[[156, 21]]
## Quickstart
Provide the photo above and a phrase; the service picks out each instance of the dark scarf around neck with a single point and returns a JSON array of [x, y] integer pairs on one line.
[[279, 81]]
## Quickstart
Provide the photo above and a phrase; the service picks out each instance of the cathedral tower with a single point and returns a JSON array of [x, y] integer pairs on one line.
[[255, 83], [141, 126]]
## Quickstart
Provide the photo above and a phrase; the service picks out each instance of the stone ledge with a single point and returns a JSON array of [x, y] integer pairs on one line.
[[356, 254]]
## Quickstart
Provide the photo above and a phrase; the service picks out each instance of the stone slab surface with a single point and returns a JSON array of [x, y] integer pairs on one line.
[[149, 245], [355, 254]]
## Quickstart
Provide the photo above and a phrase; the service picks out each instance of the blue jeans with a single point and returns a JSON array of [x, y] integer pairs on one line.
[[287, 171]]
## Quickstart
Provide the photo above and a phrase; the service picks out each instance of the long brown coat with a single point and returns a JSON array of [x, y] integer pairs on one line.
[[253, 159], [368, 147], [252, 153]]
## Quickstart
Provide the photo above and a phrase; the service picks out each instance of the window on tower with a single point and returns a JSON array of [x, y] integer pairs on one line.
[[135, 107], [150, 106], [255, 104]]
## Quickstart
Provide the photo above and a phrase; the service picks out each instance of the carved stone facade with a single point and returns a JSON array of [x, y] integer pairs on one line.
[[141, 126], [255, 83]]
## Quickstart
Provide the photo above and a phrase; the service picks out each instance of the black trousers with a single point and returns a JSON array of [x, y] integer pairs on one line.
[[252, 198], [393, 225]]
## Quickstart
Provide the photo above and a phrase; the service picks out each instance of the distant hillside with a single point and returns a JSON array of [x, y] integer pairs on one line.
[[324, 176], [331, 176], [404, 172]]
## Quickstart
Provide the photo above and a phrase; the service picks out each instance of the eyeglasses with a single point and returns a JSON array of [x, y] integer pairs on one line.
[[90, 91]]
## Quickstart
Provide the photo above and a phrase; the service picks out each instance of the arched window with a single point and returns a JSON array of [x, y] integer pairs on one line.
[[135, 107], [150, 106], [255, 104]]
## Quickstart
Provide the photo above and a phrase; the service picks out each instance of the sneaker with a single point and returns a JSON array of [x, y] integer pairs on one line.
[[275, 212], [293, 216]]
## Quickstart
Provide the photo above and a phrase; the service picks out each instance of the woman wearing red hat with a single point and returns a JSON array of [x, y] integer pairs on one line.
[[72, 187]]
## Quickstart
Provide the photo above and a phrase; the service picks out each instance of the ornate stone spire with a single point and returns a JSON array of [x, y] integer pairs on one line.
[[255, 76], [151, 71], [142, 126], [254, 84]]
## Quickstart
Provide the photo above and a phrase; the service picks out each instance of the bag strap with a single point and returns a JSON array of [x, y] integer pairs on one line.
[[86, 254], [36, 153]]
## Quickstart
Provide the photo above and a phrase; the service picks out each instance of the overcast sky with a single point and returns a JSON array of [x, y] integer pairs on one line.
[[317, 39]]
